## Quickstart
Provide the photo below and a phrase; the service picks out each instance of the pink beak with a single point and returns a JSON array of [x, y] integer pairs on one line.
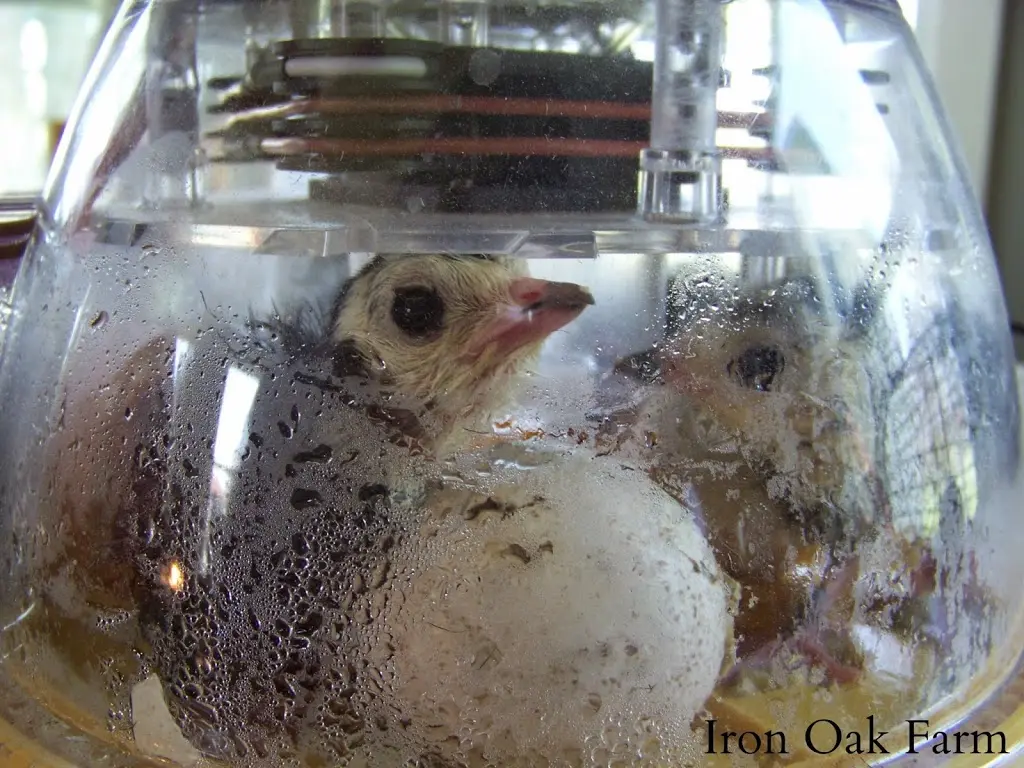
[[536, 309]]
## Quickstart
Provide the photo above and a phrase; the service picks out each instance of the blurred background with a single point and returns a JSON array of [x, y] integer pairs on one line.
[[974, 49]]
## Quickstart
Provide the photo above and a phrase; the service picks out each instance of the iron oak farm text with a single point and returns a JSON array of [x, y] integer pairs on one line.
[[827, 737]]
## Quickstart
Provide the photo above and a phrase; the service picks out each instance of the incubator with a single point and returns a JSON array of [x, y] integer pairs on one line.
[[509, 383]]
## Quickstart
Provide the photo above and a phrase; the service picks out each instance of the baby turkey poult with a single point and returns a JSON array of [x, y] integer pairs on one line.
[[760, 418], [769, 377], [445, 335], [268, 635]]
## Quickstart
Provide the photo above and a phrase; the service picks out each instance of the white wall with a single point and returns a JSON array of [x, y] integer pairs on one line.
[[960, 41], [44, 52], [1006, 188]]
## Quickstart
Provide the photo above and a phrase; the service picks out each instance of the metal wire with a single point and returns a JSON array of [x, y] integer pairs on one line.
[[925, 443]]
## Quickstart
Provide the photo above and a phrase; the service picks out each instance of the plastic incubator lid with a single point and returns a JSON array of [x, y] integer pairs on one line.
[[507, 127]]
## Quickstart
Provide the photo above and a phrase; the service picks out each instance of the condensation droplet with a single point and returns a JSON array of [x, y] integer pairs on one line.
[[304, 498]]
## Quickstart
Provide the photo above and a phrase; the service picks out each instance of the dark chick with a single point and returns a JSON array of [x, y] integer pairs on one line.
[[761, 420], [769, 379], [448, 334], [282, 579]]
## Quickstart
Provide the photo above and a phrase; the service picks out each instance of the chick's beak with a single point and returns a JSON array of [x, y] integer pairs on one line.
[[535, 309]]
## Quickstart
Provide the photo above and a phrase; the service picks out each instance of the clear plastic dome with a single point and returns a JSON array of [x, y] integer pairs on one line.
[[507, 384]]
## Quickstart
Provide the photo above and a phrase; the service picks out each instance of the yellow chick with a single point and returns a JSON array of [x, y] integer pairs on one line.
[[445, 334]]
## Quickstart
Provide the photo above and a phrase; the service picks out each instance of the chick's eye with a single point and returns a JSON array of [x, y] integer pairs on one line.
[[417, 311], [757, 367]]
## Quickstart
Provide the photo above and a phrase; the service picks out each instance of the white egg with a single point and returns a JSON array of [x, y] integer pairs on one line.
[[576, 611]]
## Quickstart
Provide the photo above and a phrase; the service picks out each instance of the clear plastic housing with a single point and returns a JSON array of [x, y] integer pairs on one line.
[[514, 384]]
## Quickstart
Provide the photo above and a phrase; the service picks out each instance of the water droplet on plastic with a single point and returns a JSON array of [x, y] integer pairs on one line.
[[322, 454], [304, 498], [484, 66]]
